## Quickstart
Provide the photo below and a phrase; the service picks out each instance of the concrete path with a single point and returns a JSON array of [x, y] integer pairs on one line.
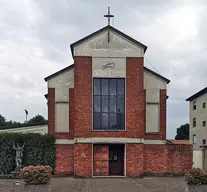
[[67, 184]]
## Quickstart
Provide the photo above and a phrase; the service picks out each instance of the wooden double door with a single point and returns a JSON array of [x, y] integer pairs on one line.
[[116, 160]]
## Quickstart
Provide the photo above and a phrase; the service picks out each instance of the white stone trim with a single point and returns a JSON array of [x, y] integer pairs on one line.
[[109, 140], [64, 141], [154, 142]]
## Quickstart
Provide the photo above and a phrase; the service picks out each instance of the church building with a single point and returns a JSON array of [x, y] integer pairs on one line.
[[108, 111]]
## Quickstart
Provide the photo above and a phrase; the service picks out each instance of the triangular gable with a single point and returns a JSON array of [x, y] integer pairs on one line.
[[97, 45]]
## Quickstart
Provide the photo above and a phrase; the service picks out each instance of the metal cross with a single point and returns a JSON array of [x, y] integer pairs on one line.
[[109, 16]]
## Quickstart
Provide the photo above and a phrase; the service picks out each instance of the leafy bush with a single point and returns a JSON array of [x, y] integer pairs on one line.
[[196, 176], [34, 175], [38, 150]]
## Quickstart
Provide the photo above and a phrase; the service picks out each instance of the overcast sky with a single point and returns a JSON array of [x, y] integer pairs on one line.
[[35, 37]]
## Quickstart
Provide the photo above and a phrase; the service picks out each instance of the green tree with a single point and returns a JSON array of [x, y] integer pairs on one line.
[[183, 132], [10, 123], [37, 119], [2, 120]]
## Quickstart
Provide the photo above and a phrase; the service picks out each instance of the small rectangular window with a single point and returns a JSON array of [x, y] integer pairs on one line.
[[194, 139], [204, 123], [194, 105], [204, 105], [204, 141], [194, 122]]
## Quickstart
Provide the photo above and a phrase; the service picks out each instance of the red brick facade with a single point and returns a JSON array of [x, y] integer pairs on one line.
[[134, 159], [173, 159], [64, 159], [83, 160], [88, 159], [135, 97]]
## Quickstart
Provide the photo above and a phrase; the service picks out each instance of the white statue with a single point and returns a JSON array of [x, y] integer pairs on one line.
[[19, 154]]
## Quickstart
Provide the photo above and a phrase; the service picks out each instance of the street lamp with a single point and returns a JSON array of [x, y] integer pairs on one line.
[[26, 114]]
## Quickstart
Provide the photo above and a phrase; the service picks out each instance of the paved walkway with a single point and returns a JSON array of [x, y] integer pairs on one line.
[[67, 184]]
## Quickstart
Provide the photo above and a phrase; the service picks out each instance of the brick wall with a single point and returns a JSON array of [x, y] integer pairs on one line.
[[64, 159], [134, 159], [83, 97], [179, 158], [162, 134], [83, 160], [101, 160], [173, 159], [155, 159]]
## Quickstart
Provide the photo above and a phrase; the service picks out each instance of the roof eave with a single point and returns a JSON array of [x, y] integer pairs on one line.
[[157, 75], [58, 72], [196, 95]]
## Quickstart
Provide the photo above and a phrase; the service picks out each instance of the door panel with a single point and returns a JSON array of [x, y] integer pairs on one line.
[[116, 160]]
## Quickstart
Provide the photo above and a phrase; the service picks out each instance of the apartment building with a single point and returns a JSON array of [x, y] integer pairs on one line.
[[198, 127]]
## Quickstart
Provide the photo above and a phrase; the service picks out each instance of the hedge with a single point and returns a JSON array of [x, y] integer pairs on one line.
[[38, 150]]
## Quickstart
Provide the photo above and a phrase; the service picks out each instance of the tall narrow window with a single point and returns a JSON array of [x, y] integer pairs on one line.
[[194, 139], [108, 104], [194, 105], [194, 122], [204, 123], [204, 105]]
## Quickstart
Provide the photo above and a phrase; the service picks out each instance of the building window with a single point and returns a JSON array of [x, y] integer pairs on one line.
[[204, 105], [204, 123], [108, 104], [194, 122], [204, 141], [194, 139], [194, 105]]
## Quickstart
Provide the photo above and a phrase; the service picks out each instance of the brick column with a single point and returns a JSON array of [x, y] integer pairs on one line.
[[163, 104], [82, 96], [51, 110], [135, 97]]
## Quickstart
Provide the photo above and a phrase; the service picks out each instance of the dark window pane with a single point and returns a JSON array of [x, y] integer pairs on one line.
[[112, 86], [96, 86], [109, 104], [120, 104], [97, 120], [112, 104], [105, 103], [113, 124], [97, 103], [105, 121], [105, 87], [121, 86], [120, 120]]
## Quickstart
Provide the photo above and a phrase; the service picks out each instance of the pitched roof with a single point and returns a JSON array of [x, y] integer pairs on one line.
[[58, 72], [157, 75], [198, 94], [71, 66], [103, 29]]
